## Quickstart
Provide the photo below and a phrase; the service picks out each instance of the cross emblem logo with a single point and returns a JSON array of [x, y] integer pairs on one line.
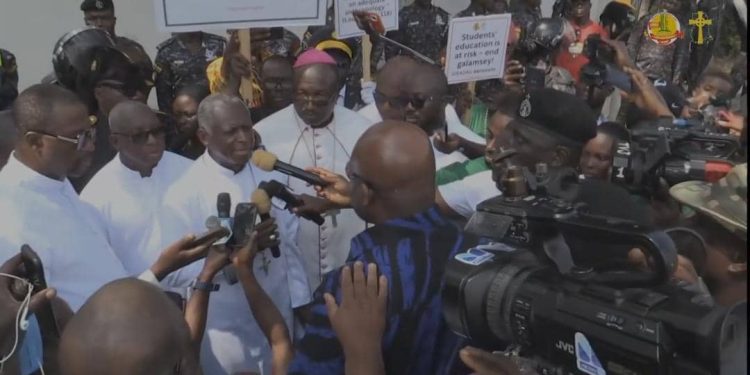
[[700, 22]]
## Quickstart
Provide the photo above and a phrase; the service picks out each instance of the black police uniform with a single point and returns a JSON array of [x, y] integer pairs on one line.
[[8, 79], [424, 30], [177, 67]]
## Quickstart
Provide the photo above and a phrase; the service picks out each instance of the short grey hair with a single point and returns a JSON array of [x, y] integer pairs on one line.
[[207, 108]]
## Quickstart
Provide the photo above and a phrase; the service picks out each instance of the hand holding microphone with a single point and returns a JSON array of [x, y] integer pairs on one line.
[[267, 237], [269, 162]]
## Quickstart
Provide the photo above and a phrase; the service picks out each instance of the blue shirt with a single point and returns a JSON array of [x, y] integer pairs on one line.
[[412, 253]]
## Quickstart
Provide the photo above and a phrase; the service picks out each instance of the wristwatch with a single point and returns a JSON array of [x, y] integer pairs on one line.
[[200, 285]]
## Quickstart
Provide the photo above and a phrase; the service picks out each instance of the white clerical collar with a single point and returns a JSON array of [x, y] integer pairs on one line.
[[135, 175], [25, 176], [210, 163]]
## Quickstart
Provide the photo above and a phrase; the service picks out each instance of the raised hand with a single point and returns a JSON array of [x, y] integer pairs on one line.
[[338, 190]]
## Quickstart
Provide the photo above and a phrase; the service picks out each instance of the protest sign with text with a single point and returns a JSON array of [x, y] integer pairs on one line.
[[346, 26], [476, 48], [195, 15]]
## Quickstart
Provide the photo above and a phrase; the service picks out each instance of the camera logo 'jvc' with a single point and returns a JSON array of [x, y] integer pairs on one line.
[[566, 347]]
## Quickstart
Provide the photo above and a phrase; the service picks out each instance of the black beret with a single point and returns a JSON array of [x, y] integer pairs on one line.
[[89, 5], [564, 114]]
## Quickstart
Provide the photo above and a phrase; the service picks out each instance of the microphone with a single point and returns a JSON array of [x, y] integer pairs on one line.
[[262, 201], [223, 209], [276, 189], [269, 162]]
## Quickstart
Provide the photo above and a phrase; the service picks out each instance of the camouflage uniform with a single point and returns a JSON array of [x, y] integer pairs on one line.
[[8, 79], [724, 201], [424, 30], [176, 66]]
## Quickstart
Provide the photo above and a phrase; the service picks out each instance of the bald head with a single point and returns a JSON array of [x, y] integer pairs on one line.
[[37, 106], [127, 327], [129, 114], [396, 162], [392, 75], [429, 79]]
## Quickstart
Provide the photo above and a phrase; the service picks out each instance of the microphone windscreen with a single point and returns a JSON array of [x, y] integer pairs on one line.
[[262, 201], [263, 160], [213, 223]]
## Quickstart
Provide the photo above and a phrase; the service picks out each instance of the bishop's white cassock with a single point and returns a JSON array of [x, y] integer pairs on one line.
[[371, 113], [128, 203], [233, 341], [324, 247], [66, 233]]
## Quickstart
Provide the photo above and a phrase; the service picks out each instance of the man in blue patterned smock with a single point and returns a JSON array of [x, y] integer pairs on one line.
[[421, 26], [392, 174], [182, 61]]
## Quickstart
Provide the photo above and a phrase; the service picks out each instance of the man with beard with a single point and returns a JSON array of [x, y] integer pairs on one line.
[[129, 190]]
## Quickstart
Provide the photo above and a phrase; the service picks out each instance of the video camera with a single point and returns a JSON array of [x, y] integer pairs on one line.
[[527, 293], [675, 150], [601, 69]]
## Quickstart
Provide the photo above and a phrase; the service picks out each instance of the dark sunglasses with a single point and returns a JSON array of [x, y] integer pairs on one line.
[[142, 137]]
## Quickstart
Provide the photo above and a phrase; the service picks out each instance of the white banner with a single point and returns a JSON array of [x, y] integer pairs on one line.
[[195, 15], [476, 48], [346, 27]]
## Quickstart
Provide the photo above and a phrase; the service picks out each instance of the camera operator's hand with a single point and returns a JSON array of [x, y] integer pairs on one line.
[[735, 122], [622, 58], [337, 192], [685, 270], [446, 144], [486, 363], [359, 321], [514, 75], [216, 259], [645, 96], [179, 254]]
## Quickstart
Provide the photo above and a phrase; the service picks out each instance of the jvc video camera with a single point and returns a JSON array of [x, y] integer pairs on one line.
[[675, 150], [601, 69], [535, 290]]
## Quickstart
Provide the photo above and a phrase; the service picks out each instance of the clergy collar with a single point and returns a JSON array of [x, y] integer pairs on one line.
[[209, 162], [136, 174], [28, 177]]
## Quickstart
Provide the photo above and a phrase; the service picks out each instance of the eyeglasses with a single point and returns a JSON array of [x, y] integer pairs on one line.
[[81, 140], [277, 83], [397, 102], [142, 137]]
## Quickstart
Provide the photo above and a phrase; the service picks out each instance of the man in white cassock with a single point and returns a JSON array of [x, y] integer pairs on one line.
[[233, 342], [129, 190], [407, 90], [315, 132], [42, 209]]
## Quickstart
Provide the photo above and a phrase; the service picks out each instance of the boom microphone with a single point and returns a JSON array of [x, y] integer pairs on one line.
[[269, 162], [262, 201]]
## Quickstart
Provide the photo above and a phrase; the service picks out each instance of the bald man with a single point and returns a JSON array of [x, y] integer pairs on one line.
[[127, 327], [392, 173], [316, 132], [129, 190]]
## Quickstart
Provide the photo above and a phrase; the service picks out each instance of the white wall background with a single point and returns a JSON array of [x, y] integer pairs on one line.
[[29, 28]]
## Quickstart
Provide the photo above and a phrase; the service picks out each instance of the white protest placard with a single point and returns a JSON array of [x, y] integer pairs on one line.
[[195, 15], [476, 48], [346, 27]]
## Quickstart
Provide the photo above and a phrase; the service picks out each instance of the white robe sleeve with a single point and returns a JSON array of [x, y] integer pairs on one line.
[[299, 286], [456, 126], [463, 196]]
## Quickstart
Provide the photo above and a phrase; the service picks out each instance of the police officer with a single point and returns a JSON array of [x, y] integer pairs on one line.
[[8, 79], [101, 14], [182, 60], [421, 26]]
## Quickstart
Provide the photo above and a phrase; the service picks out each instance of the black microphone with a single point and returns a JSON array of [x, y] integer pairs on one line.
[[223, 209], [262, 200], [269, 162]]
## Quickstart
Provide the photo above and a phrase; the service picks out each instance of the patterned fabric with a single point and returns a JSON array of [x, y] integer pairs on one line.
[[177, 67], [216, 81], [424, 30], [412, 253], [725, 201]]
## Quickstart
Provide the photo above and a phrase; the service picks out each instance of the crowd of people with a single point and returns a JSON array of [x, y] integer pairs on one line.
[[119, 200]]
